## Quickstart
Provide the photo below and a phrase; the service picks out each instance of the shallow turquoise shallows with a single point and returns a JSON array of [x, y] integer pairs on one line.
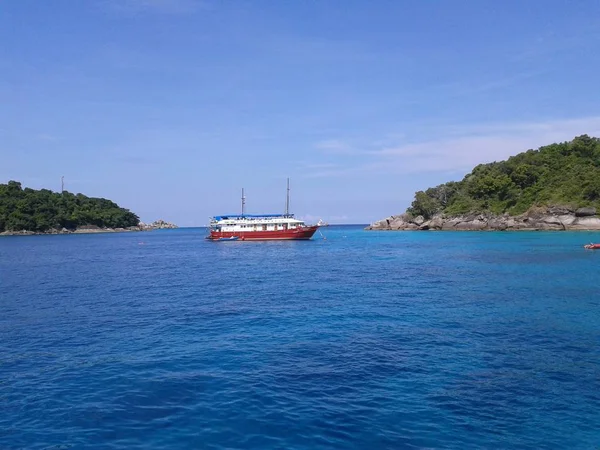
[[364, 340]]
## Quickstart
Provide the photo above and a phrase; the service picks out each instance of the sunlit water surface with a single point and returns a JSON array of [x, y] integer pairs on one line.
[[363, 340]]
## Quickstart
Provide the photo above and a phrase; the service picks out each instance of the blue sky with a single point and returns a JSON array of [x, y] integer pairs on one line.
[[170, 107]]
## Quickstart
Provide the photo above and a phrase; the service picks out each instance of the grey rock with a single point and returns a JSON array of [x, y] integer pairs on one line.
[[586, 223], [157, 225], [411, 226], [450, 224], [379, 225], [89, 227], [566, 219], [397, 223], [497, 224], [472, 225], [161, 224], [436, 223], [400, 222], [543, 225], [539, 218], [552, 221], [419, 220], [585, 212], [559, 210]]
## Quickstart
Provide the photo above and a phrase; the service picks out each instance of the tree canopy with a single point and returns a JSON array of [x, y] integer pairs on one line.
[[566, 174], [41, 210]]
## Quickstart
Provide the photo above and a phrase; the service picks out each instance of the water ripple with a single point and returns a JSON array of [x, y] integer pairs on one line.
[[366, 340]]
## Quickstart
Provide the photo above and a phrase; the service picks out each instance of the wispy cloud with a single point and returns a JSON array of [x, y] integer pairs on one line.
[[314, 218], [135, 160], [320, 166], [336, 171], [467, 146], [153, 6], [318, 169], [310, 218], [457, 149], [334, 146]]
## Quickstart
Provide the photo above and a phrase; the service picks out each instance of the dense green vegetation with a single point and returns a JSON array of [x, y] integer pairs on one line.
[[566, 174], [33, 210]]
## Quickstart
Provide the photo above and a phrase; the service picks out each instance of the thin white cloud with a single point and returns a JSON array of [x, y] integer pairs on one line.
[[322, 166], [459, 148], [318, 169], [334, 146], [472, 145], [309, 218], [314, 218], [336, 171]]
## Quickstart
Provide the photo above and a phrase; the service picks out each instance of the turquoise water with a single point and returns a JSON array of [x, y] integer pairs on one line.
[[363, 340]]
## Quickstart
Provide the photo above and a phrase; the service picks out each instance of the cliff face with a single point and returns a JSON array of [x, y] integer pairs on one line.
[[557, 218]]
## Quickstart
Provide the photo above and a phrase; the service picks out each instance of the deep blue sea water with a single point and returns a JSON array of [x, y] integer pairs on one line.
[[364, 340]]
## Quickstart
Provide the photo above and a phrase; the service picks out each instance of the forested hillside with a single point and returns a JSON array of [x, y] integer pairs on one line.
[[42, 210], [567, 173]]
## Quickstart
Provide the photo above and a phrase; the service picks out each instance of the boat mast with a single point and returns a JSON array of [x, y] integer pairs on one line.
[[287, 199], [243, 202]]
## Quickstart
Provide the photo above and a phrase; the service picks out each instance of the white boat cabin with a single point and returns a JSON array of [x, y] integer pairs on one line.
[[249, 223]]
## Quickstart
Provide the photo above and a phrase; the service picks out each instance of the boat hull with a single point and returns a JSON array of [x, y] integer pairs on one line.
[[303, 233], [592, 246]]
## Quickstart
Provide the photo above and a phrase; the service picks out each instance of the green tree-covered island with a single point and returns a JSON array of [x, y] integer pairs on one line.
[[29, 211], [556, 187]]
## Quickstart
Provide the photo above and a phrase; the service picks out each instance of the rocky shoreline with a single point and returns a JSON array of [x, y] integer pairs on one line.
[[92, 229], [156, 225], [557, 218]]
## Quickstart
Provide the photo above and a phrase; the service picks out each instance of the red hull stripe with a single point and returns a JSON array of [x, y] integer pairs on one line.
[[279, 235]]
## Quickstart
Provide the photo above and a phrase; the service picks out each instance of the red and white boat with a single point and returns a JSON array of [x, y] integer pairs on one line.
[[260, 227]]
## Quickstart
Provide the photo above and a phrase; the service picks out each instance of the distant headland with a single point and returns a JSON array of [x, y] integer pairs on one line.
[[556, 187], [29, 211]]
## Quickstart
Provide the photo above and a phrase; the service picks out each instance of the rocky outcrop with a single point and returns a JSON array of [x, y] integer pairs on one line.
[[157, 225], [586, 223], [17, 233], [557, 218], [585, 212]]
